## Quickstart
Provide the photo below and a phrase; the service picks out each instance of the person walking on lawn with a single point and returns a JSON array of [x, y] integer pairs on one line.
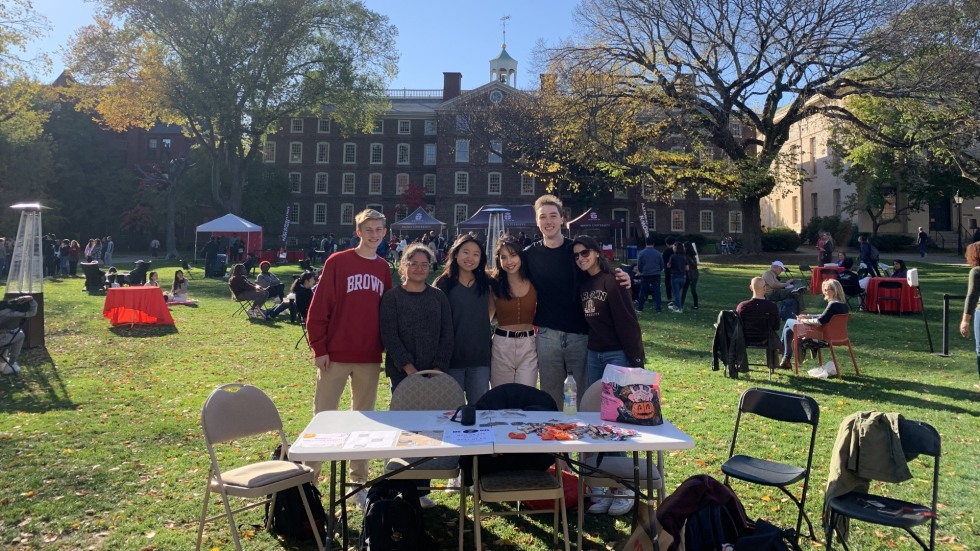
[[649, 266]]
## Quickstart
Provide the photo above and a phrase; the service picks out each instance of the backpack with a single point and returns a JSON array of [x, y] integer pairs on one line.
[[702, 514], [393, 518], [873, 251], [711, 527], [289, 517]]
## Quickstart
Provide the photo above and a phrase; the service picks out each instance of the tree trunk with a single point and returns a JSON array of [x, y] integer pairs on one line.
[[216, 180], [171, 218], [751, 225]]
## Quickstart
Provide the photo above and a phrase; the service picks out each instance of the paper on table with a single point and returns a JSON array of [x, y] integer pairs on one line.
[[463, 437], [371, 439], [327, 440], [422, 438]]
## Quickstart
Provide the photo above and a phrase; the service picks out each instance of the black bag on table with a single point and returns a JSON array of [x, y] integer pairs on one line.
[[289, 517], [393, 518]]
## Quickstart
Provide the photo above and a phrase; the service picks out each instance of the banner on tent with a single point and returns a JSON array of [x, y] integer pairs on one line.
[[285, 226]]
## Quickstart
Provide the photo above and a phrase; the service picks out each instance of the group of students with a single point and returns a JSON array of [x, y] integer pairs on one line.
[[565, 288], [178, 289], [680, 260], [268, 286]]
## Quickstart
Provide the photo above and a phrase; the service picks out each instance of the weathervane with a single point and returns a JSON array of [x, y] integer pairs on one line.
[[503, 24]]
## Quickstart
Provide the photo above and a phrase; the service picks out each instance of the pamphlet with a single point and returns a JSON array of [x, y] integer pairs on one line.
[[422, 438], [321, 440], [365, 439], [468, 437]]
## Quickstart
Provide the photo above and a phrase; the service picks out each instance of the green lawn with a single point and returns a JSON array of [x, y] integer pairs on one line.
[[102, 447]]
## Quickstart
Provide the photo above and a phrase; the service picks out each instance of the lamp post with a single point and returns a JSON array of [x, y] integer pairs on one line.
[[958, 199]]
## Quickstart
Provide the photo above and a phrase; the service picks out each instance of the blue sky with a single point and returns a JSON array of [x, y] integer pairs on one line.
[[433, 35]]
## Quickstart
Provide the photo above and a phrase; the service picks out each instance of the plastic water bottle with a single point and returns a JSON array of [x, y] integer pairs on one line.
[[571, 395]]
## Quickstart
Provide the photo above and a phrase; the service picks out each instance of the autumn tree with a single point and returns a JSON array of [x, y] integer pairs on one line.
[[757, 63], [228, 71], [19, 24]]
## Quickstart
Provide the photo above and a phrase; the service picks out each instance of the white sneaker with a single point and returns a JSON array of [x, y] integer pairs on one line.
[[600, 505], [17, 367], [622, 503], [7, 369], [361, 499], [454, 484], [426, 502]]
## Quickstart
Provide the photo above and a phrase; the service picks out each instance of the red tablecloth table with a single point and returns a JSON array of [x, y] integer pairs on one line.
[[908, 301], [817, 278], [132, 305]]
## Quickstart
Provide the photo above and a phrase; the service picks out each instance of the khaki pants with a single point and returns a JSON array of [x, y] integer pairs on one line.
[[513, 360], [330, 387]]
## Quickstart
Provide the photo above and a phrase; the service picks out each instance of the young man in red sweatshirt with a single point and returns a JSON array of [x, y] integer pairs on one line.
[[344, 326]]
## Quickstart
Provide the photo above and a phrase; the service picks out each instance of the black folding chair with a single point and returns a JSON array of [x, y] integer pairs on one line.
[[304, 336], [184, 265], [889, 291], [917, 438], [783, 407], [242, 305], [759, 334], [805, 274]]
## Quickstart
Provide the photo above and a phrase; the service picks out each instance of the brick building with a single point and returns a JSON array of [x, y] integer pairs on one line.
[[424, 139]]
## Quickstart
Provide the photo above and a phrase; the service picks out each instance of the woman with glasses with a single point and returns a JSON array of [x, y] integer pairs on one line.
[[467, 286], [513, 352]]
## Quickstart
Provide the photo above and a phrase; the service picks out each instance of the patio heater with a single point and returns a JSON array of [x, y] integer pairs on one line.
[[26, 276], [495, 228]]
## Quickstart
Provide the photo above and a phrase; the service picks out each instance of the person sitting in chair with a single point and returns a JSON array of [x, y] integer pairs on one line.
[[302, 290], [268, 281], [833, 293], [850, 281], [758, 303], [899, 269], [778, 291], [243, 289], [12, 313]]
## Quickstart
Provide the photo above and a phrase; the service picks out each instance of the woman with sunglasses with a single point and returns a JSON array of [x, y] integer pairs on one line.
[[614, 331]]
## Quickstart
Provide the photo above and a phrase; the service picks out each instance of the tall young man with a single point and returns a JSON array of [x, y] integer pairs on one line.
[[563, 334], [344, 326]]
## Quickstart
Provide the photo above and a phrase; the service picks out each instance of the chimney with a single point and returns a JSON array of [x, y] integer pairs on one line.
[[549, 82], [451, 85]]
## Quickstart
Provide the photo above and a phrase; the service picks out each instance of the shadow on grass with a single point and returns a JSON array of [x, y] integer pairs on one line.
[[144, 331], [37, 389], [899, 392]]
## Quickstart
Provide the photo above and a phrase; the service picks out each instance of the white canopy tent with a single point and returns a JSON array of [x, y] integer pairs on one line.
[[229, 225]]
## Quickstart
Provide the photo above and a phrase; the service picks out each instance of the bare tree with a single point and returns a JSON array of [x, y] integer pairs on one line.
[[760, 63]]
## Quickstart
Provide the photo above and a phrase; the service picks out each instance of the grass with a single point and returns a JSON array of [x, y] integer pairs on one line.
[[102, 446]]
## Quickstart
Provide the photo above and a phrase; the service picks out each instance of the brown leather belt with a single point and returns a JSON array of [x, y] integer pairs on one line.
[[513, 334]]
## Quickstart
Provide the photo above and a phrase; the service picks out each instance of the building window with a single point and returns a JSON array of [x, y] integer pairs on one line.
[[401, 212], [295, 182], [296, 152], [429, 184], [296, 126], [462, 183], [403, 154], [404, 127], [429, 154], [837, 205], [460, 213], [347, 186], [889, 209], [292, 242], [527, 184], [813, 205], [462, 151], [322, 153], [294, 214], [736, 128], [620, 215], [677, 220], [323, 126], [269, 152], [379, 126], [813, 155], [401, 184], [651, 219], [462, 123], [374, 183], [377, 151], [430, 210], [165, 143], [376, 206], [796, 209], [707, 221], [320, 213], [321, 183], [430, 128], [151, 144], [734, 221], [350, 153], [619, 193], [496, 149], [347, 214], [494, 183]]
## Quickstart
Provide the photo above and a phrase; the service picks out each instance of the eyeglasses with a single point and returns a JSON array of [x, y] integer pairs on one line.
[[582, 254], [425, 265]]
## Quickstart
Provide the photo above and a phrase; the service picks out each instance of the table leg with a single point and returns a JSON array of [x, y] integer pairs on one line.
[[332, 528], [343, 501]]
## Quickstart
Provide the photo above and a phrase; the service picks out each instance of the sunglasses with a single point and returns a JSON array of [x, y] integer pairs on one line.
[[582, 254]]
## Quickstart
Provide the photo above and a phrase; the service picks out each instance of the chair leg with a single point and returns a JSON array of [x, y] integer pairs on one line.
[[828, 532], [796, 356], [309, 516], [833, 356], [476, 502], [581, 511], [231, 521], [462, 509], [204, 514], [853, 359]]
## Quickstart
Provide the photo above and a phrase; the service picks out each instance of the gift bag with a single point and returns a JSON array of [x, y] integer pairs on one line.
[[630, 395]]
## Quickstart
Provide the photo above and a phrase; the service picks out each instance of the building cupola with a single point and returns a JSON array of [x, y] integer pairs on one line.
[[503, 68]]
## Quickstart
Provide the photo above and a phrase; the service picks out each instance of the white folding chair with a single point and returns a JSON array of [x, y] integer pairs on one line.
[[233, 412]]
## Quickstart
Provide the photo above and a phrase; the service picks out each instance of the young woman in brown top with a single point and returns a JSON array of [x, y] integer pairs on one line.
[[514, 357], [972, 298]]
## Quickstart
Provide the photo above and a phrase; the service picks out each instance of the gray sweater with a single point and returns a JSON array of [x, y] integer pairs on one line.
[[417, 329]]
